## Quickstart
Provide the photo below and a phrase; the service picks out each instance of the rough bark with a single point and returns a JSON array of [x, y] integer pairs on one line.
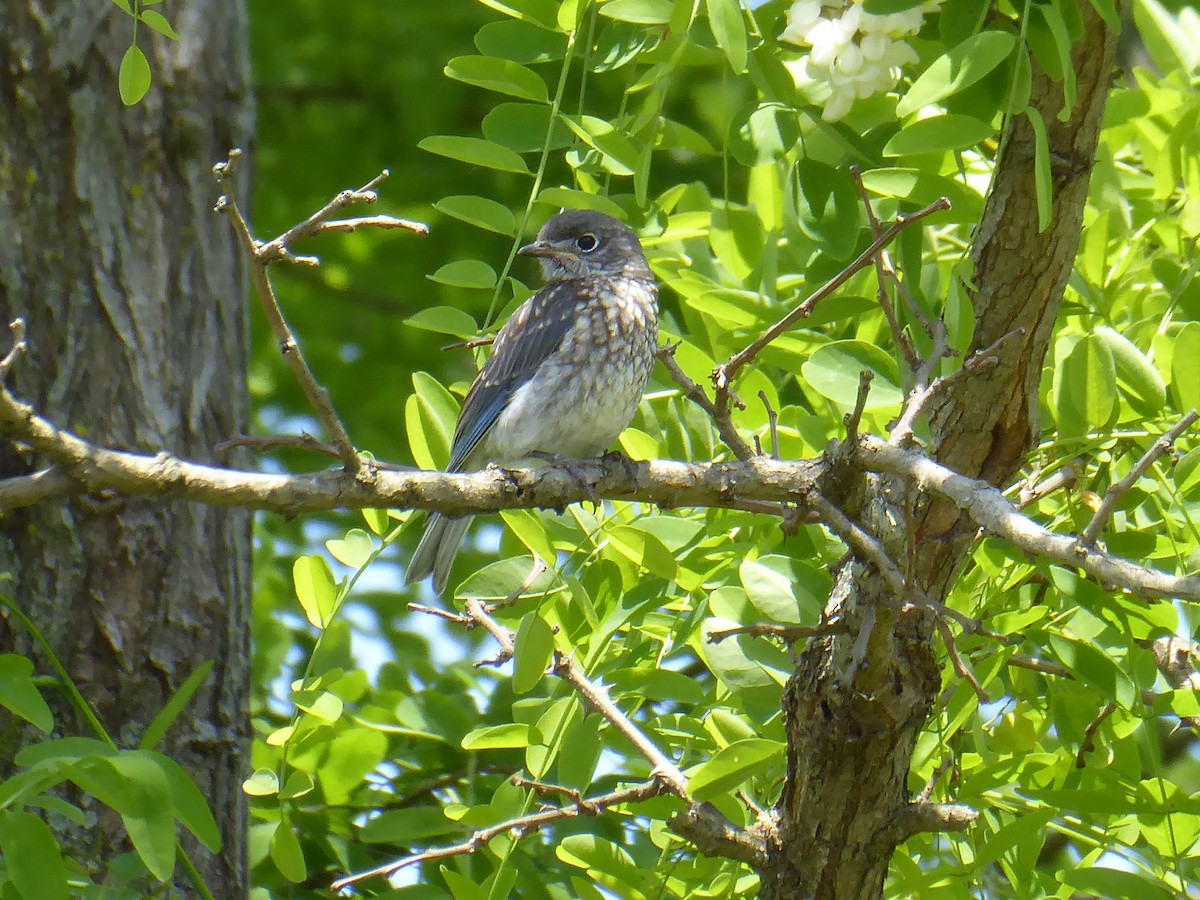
[[134, 296], [853, 717]]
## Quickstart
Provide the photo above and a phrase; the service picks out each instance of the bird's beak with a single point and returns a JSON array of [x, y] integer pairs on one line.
[[542, 248]]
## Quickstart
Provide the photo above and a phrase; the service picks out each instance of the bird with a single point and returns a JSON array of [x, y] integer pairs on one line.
[[567, 370]]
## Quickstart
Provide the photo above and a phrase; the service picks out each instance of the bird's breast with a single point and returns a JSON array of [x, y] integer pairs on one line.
[[585, 393]]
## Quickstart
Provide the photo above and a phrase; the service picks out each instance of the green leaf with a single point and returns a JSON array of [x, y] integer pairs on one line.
[[833, 371], [476, 152], [133, 78], [325, 705], [32, 856], [429, 417], [531, 531], [1114, 884], [520, 41], [581, 746], [1042, 174], [587, 851], [729, 28], [566, 198], [479, 211], [886, 7], [190, 806], [1187, 472], [730, 658], [534, 644], [353, 550], [134, 785], [376, 519], [287, 855], [505, 578], [938, 135], [763, 133], [466, 273], [540, 12], [522, 127], [958, 68], [501, 75], [315, 588], [402, 827], [1185, 372], [499, 737], [20, 695], [1090, 380], [64, 749], [1095, 668], [1134, 371], [639, 12], [921, 188], [643, 549], [733, 766], [158, 22], [157, 728], [263, 783], [773, 585], [298, 784], [617, 153]]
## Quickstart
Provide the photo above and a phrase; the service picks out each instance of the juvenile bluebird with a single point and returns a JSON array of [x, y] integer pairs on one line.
[[567, 371]]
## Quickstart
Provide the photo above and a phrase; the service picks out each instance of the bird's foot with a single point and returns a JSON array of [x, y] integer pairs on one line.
[[628, 463], [578, 468]]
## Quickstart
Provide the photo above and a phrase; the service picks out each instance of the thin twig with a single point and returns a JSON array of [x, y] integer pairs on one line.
[[478, 613], [260, 255], [1063, 478], [1038, 665], [924, 391], [1117, 492], [724, 374], [1089, 734], [581, 802], [471, 344], [931, 783], [772, 424], [518, 826], [697, 394], [882, 269], [346, 226], [17, 350], [597, 697], [853, 419], [787, 633], [960, 666]]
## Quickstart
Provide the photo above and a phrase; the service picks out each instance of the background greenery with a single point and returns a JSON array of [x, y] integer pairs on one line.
[[744, 198]]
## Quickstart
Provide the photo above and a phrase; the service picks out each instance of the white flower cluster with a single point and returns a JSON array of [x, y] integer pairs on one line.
[[855, 52]]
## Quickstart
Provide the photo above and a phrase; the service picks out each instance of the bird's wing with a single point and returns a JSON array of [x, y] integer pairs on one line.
[[527, 339]]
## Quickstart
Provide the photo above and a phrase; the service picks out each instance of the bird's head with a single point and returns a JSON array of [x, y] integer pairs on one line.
[[580, 243]]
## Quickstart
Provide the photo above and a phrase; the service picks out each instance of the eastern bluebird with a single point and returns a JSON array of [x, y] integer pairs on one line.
[[567, 371]]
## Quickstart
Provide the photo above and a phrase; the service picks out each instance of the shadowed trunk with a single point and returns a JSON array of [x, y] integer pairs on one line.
[[133, 292]]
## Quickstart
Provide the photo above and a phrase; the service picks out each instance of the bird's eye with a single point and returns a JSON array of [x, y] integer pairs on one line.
[[587, 242]]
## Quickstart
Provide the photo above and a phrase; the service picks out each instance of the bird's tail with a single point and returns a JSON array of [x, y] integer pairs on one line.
[[437, 549]]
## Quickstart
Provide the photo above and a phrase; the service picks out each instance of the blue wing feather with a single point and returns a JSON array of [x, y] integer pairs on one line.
[[528, 338]]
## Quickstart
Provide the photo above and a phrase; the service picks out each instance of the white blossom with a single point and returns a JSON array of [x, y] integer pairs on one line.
[[854, 52]]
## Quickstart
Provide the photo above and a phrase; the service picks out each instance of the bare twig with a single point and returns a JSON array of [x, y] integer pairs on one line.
[[17, 350], [1117, 492], [471, 344], [924, 390], [772, 424], [480, 616], [1088, 744], [697, 394], [960, 667], [787, 633], [1038, 665], [541, 787], [934, 817], [345, 226], [518, 826], [1063, 478], [596, 696], [931, 783], [853, 419], [884, 274], [535, 572], [724, 374]]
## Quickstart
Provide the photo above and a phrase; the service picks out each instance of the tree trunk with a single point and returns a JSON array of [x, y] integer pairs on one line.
[[133, 291], [853, 720]]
